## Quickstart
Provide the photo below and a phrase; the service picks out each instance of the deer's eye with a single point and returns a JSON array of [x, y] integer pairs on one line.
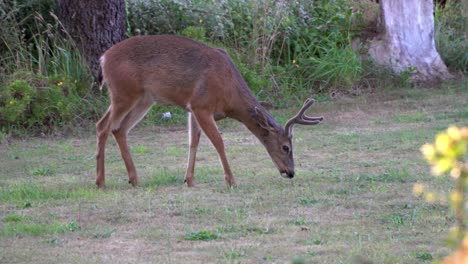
[[286, 148]]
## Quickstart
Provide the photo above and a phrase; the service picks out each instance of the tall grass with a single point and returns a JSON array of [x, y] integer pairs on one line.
[[40, 57]]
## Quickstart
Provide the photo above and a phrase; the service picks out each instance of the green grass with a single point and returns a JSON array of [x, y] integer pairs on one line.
[[31, 191], [33, 229], [351, 196], [203, 235]]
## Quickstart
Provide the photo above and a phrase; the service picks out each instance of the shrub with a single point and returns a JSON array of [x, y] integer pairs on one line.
[[450, 35], [16, 100]]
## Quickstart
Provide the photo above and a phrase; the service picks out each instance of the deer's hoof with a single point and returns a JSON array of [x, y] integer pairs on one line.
[[189, 182], [133, 182]]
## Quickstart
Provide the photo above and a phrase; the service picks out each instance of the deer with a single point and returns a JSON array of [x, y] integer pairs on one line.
[[174, 70]]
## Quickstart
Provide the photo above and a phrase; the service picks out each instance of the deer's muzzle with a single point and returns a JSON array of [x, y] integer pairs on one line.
[[287, 174]]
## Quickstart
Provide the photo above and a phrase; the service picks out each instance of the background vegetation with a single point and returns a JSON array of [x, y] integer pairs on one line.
[[285, 50]]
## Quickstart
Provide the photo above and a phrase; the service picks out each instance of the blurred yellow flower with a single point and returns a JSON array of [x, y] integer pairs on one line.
[[59, 83], [442, 143], [12, 102], [454, 133], [456, 197], [455, 172], [418, 189], [200, 21], [442, 166], [430, 197], [428, 151]]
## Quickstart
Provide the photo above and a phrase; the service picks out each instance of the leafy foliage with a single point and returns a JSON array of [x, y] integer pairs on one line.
[[450, 35]]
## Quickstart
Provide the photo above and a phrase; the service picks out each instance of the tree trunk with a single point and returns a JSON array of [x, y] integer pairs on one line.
[[407, 42], [95, 25]]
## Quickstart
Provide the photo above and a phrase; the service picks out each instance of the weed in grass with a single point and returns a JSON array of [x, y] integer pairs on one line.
[[259, 230], [397, 175], [412, 117], [228, 229], [31, 228], [73, 225], [396, 219], [458, 114], [234, 255], [14, 218], [299, 221], [203, 235], [423, 255], [202, 211], [26, 204], [140, 149], [391, 175], [42, 172], [306, 200], [298, 260], [175, 151], [105, 233], [310, 242], [54, 241], [163, 176]]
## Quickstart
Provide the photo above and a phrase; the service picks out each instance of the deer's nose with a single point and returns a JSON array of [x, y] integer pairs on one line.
[[288, 174]]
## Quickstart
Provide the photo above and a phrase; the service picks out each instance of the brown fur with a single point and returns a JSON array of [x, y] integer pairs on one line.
[[144, 70]]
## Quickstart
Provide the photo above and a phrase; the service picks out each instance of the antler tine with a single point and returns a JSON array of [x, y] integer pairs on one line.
[[302, 118]]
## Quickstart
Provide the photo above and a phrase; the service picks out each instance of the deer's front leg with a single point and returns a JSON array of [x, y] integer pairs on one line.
[[208, 125], [194, 138]]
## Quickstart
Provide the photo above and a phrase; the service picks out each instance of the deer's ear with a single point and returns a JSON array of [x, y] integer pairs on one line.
[[262, 120]]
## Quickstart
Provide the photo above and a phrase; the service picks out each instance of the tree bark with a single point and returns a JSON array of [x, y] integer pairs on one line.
[[407, 42], [95, 25]]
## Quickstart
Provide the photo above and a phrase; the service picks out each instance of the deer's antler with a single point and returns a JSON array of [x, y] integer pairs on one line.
[[302, 118]]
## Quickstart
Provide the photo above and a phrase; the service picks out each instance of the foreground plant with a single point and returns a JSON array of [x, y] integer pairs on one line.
[[449, 155]]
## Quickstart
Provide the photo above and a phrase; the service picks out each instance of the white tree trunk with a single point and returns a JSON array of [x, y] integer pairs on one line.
[[407, 43]]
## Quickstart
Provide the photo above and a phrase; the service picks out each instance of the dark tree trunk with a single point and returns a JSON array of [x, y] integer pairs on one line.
[[407, 42], [95, 25]]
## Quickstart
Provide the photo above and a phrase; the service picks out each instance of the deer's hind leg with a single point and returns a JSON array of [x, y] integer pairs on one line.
[[102, 133], [194, 132]]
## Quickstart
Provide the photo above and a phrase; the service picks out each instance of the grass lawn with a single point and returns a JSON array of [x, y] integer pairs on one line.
[[352, 194]]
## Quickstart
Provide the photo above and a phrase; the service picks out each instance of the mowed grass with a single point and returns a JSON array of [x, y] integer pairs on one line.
[[351, 197]]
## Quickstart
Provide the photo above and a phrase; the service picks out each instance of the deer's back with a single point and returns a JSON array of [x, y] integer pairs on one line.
[[171, 69]]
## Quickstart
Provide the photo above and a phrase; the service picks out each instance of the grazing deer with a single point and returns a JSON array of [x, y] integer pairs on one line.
[[144, 70]]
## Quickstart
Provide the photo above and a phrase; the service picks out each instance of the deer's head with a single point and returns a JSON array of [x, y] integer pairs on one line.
[[278, 141]]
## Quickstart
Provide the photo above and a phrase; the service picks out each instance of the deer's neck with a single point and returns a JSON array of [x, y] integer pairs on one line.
[[247, 116], [243, 108]]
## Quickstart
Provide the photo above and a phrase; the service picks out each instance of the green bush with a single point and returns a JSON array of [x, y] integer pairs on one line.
[[44, 103], [15, 101], [450, 35]]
